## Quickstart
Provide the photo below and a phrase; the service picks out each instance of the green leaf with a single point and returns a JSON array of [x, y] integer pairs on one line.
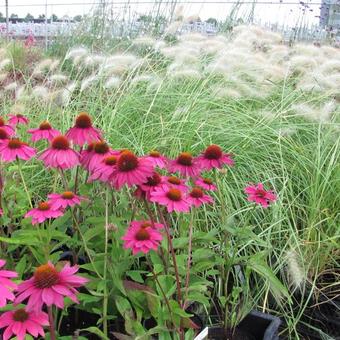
[[176, 309], [123, 305], [96, 331]]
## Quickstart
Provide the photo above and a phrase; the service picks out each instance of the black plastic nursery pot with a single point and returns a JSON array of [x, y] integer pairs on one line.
[[255, 326]]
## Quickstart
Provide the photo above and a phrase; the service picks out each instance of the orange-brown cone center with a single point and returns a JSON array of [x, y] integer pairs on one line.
[[127, 161], [43, 206], [196, 192], [174, 180], [145, 225], [154, 180], [207, 181], [110, 160], [142, 235], [185, 158], [15, 143], [83, 121], [174, 194], [155, 154], [60, 143], [67, 195], [2, 122], [45, 276], [213, 152], [261, 193], [101, 148], [20, 315], [3, 134], [45, 126]]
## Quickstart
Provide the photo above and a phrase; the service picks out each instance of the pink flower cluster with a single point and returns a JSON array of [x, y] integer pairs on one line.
[[48, 286]]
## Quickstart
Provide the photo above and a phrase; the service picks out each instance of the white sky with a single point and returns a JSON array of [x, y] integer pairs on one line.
[[288, 12]]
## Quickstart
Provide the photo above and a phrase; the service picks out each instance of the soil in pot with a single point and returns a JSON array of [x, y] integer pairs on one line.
[[227, 334]]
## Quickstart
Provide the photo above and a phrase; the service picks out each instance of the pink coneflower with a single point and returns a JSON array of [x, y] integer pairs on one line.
[[105, 169], [100, 151], [157, 159], [64, 200], [214, 157], [197, 197], [257, 194], [43, 212], [17, 119], [206, 184], [175, 182], [185, 164], [49, 286], [6, 285], [131, 170], [146, 224], [151, 184], [14, 148], [174, 199], [59, 154], [44, 131], [85, 155], [141, 238], [10, 131], [83, 132], [21, 322]]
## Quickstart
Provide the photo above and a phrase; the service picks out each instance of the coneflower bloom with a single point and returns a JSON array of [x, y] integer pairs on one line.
[[185, 164], [64, 200], [206, 184], [157, 159], [3, 135], [100, 151], [11, 149], [83, 132], [49, 286], [44, 131], [174, 199], [131, 170], [6, 285], [85, 155], [141, 238], [105, 169], [7, 128], [59, 154], [214, 157], [197, 197], [175, 182], [43, 212], [256, 193], [151, 184], [21, 322], [146, 224], [17, 119]]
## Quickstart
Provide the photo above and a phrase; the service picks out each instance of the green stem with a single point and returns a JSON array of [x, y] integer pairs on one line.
[[52, 326], [106, 297], [24, 184]]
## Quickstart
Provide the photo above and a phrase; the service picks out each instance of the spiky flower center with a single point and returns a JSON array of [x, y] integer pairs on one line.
[[213, 152], [2, 122], [101, 148], [185, 158], [90, 147], [19, 115], [154, 180], [207, 181], [15, 143], [45, 276], [3, 134], [110, 160], [43, 206], [45, 126], [261, 193], [155, 154], [142, 235], [60, 143], [20, 315], [145, 224], [67, 195], [127, 161], [83, 121], [196, 192], [174, 195], [174, 180]]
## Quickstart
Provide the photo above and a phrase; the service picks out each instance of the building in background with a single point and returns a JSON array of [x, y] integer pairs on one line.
[[330, 15]]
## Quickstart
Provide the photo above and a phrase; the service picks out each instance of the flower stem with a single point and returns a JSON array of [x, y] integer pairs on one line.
[[24, 184], [51, 320], [106, 297]]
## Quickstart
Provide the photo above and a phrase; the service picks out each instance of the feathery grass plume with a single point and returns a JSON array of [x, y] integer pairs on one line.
[[307, 50], [159, 44], [213, 46], [21, 93], [225, 92], [142, 78], [286, 131], [144, 41], [94, 60], [112, 82], [296, 274], [321, 114], [154, 84], [88, 82], [42, 67], [173, 27], [18, 108], [76, 53], [56, 79], [330, 67], [331, 52], [171, 51], [118, 64], [41, 92], [11, 87], [192, 37], [55, 63], [3, 76], [62, 97], [4, 63], [302, 64], [186, 73]]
